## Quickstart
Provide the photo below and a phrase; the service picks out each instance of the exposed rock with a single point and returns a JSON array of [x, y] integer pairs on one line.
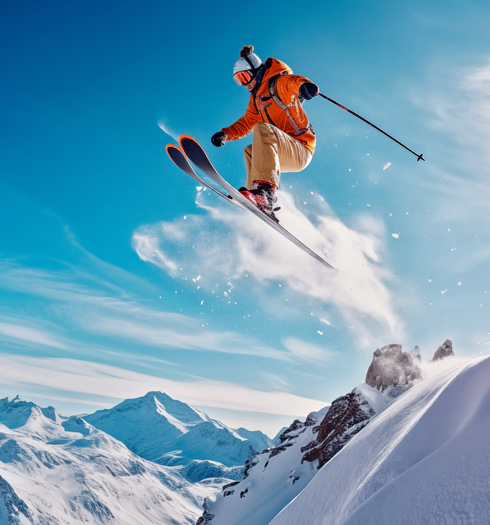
[[346, 417], [295, 425], [250, 463], [206, 518], [445, 350], [392, 368]]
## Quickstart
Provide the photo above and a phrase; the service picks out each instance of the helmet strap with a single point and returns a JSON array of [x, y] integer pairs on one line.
[[254, 69]]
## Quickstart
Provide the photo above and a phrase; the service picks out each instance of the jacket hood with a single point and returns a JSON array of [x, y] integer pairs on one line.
[[271, 68], [274, 67]]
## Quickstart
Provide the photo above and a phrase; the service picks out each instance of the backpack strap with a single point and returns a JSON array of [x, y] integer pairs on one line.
[[272, 87]]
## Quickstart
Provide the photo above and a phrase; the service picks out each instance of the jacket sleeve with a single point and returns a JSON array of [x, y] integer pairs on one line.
[[288, 86], [244, 125]]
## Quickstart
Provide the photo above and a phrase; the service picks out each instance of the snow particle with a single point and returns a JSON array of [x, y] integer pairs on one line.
[[395, 235], [387, 165]]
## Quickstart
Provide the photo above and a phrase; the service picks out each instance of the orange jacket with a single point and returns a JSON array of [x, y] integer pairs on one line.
[[263, 108]]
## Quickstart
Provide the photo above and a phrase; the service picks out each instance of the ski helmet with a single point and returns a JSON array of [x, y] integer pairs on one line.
[[247, 66]]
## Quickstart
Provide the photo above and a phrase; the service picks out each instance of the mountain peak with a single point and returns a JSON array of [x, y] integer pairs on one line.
[[16, 413]]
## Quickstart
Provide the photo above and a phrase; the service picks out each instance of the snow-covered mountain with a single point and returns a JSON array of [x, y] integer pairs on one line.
[[60, 471], [275, 477], [170, 432], [425, 459], [402, 448]]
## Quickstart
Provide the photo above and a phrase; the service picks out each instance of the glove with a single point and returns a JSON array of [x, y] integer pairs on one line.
[[218, 139], [308, 90]]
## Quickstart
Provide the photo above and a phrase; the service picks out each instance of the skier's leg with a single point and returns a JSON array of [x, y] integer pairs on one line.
[[248, 164], [274, 151], [294, 156], [265, 160]]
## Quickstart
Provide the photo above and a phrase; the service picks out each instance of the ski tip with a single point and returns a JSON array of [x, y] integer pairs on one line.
[[170, 147], [191, 147], [183, 138]]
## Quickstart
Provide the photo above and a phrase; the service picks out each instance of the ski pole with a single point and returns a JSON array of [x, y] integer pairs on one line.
[[419, 157]]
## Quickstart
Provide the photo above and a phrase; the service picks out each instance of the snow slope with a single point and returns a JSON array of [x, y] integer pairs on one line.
[[61, 471], [277, 475], [271, 480], [425, 459]]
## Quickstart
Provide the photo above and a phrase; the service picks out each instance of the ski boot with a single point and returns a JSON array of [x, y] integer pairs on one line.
[[262, 195]]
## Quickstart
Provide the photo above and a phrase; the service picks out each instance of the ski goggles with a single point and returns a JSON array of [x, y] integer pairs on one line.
[[242, 78]]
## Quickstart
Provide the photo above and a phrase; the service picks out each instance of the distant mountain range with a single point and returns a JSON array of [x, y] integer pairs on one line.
[[148, 460]]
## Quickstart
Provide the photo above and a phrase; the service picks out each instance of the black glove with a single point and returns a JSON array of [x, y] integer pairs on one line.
[[308, 90], [218, 139]]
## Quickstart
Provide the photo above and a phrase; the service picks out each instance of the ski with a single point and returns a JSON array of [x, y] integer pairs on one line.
[[197, 156]]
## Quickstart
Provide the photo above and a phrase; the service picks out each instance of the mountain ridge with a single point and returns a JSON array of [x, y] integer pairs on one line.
[[305, 447]]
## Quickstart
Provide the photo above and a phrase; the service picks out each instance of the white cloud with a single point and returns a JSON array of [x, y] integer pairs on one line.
[[85, 377], [226, 244]]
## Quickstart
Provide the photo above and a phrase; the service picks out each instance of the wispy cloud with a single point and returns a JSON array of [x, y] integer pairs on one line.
[[459, 100], [226, 245], [307, 351], [20, 332], [85, 377], [102, 311]]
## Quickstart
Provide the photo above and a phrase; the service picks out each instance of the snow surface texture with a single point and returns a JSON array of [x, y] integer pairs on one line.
[[423, 460], [61, 471]]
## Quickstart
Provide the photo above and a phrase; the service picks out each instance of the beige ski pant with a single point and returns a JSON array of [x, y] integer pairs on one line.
[[272, 151]]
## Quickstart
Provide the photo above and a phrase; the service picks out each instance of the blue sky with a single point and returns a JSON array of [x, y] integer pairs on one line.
[[118, 276]]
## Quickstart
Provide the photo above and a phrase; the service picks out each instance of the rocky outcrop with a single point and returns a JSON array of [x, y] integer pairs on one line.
[[391, 368], [346, 417], [206, 516], [391, 372], [445, 350]]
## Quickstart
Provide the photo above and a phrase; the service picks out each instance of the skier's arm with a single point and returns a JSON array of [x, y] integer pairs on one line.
[[290, 85], [244, 125]]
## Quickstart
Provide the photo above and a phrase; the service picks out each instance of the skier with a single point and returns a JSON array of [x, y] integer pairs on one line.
[[283, 138]]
